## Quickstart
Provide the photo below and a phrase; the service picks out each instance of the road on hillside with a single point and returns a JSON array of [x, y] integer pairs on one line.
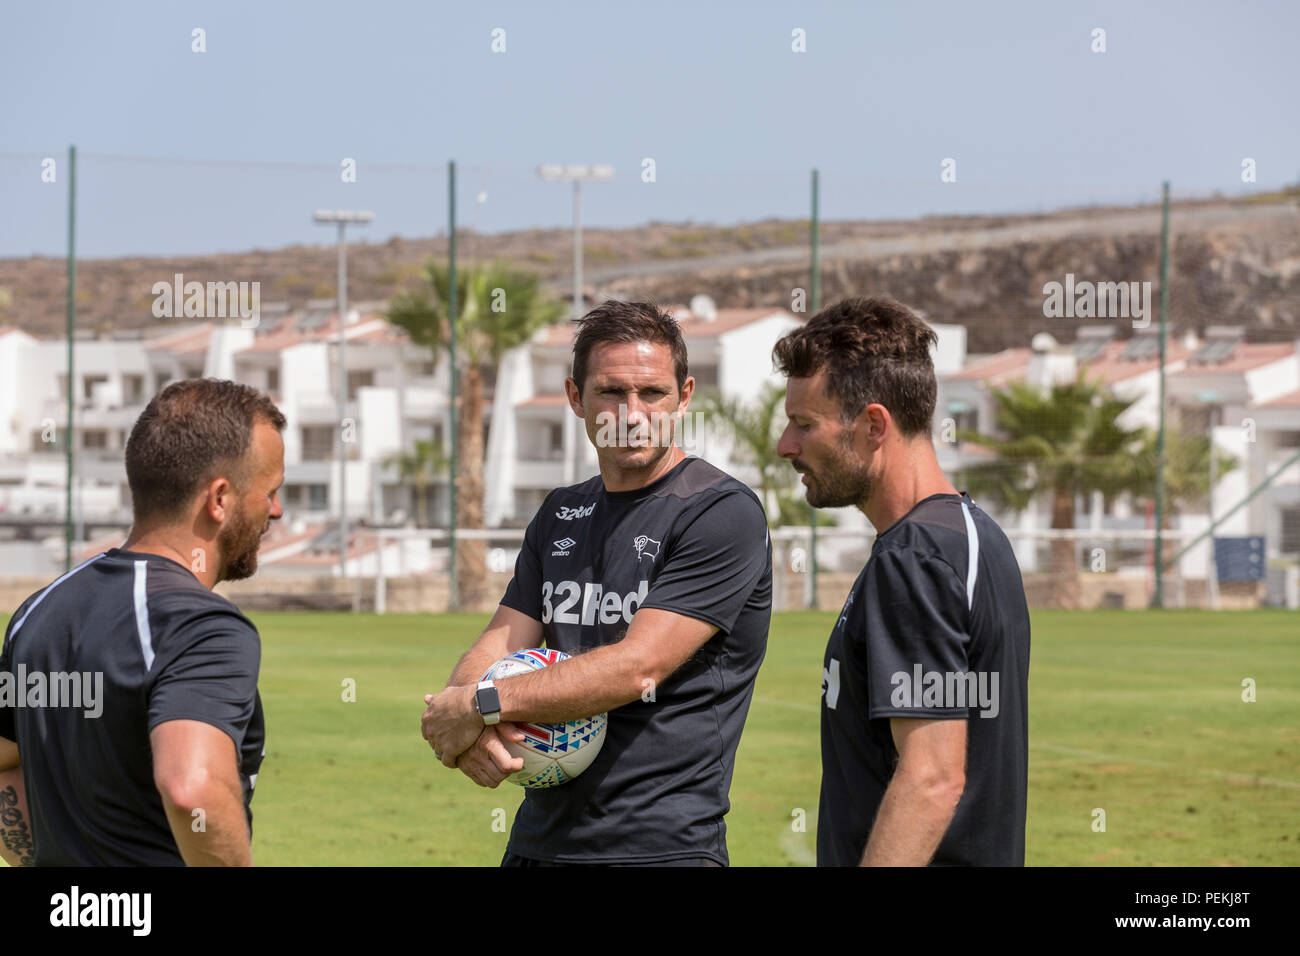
[[1119, 222]]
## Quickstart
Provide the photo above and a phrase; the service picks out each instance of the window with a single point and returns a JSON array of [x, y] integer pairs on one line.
[[133, 389], [88, 385], [317, 442], [1199, 419], [1290, 531], [317, 499], [273, 381], [94, 438], [356, 380], [706, 376]]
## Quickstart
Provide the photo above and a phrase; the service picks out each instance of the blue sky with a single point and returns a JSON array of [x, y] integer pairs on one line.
[[233, 148]]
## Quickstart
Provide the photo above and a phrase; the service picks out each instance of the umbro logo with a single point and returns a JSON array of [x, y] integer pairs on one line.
[[564, 544]]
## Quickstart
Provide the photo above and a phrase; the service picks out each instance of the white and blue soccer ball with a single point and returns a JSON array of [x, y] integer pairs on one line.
[[553, 753]]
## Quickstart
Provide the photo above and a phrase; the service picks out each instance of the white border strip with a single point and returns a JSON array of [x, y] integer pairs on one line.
[[142, 612], [973, 547], [57, 582]]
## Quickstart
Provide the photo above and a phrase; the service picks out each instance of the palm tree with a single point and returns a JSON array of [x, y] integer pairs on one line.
[[755, 430], [1063, 441], [420, 468], [498, 308], [1066, 442], [1187, 475]]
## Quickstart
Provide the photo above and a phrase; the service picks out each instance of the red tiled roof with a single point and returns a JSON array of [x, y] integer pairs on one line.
[[185, 341], [1243, 358], [693, 327], [1000, 368], [544, 401], [1110, 368], [373, 328]]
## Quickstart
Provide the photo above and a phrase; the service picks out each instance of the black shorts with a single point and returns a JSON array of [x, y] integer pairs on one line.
[[511, 859]]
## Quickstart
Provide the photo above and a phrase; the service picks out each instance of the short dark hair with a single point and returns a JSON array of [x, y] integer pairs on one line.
[[616, 321], [874, 350], [186, 435]]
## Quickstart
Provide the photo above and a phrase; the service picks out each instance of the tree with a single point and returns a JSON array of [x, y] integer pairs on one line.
[[1187, 475], [1063, 442], [1187, 468], [498, 308], [754, 430], [420, 468], [1066, 442]]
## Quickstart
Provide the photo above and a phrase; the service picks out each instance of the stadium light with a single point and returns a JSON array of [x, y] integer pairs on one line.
[[575, 173], [341, 218]]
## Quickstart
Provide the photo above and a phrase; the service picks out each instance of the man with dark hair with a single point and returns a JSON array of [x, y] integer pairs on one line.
[[925, 682], [155, 763], [656, 575]]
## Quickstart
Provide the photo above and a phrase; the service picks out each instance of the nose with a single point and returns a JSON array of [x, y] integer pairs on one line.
[[636, 408], [277, 511], [787, 447]]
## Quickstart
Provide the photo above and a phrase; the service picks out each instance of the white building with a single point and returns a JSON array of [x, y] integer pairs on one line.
[[397, 393], [1246, 395]]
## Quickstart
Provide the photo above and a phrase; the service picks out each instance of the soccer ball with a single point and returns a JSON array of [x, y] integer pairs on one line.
[[553, 753]]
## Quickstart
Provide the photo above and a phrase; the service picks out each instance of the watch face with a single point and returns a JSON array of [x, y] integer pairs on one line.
[[488, 701]]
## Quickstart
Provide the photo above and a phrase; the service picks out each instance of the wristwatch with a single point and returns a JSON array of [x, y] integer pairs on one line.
[[488, 702]]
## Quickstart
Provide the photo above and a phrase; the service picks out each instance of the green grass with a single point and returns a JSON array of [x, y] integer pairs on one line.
[[1137, 713]]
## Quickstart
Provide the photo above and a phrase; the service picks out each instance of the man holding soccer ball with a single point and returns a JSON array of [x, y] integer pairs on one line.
[[656, 576], [925, 682]]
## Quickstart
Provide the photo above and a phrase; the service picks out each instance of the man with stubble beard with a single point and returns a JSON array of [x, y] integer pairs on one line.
[[153, 761], [925, 730]]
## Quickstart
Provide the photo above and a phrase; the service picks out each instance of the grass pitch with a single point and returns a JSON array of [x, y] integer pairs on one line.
[[1137, 714]]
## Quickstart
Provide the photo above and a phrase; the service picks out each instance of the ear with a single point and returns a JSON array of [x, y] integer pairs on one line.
[[218, 500], [575, 399], [688, 389], [874, 423]]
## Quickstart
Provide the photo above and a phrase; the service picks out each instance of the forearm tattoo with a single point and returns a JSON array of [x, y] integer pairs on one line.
[[13, 828]]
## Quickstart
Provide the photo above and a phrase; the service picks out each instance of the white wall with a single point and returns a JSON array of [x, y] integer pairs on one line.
[[745, 356], [226, 340], [950, 354], [17, 411], [514, 385], [304, 370]]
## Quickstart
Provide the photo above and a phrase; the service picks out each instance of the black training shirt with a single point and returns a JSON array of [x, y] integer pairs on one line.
[[165, 648], [928, 633], [693, 542]]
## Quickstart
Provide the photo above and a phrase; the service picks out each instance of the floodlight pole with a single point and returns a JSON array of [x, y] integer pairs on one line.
[[577, 249], [576, 174], [72, 325], [453, 602], [341, 218], [1158, 599], [815, 237]]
